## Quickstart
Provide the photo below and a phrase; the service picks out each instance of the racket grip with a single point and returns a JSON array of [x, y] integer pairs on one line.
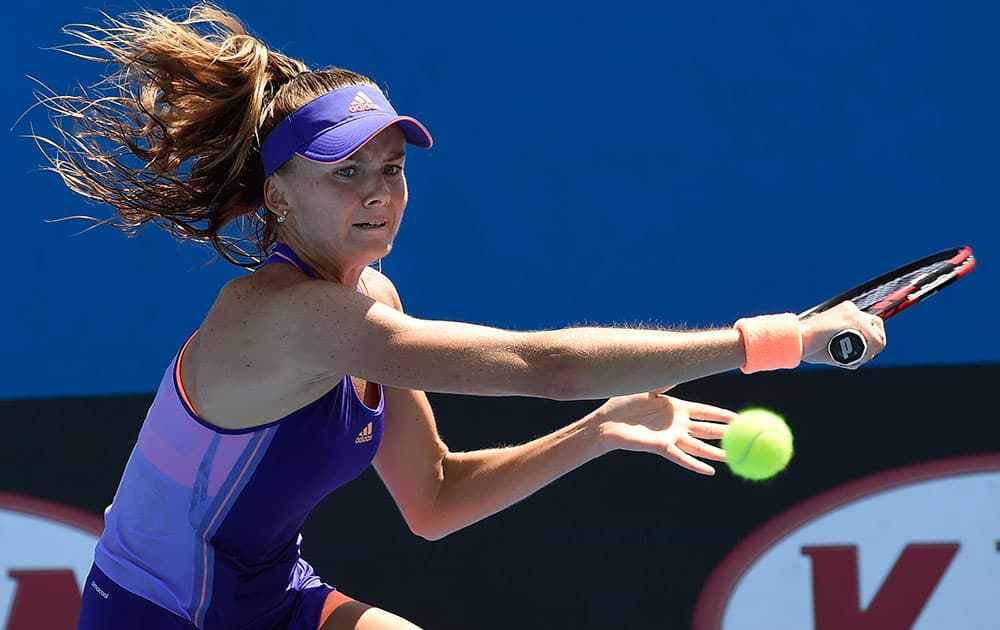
[[848, 347]]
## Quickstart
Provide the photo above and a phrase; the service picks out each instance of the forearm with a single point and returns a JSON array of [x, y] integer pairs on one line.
[[566, 364], [386, 346], [480, 483], [598, 362]]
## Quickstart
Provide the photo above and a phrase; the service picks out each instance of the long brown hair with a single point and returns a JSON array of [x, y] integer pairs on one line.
[[172, 135]]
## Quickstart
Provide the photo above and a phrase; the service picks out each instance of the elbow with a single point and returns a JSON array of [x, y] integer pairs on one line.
[[561, 378], [555, 373], [430, 535], [428, 521], [428, 529], [432, 521], [567, 385]]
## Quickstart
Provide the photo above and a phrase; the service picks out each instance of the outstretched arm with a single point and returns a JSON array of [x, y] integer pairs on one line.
[[440, 492], [328, 330]]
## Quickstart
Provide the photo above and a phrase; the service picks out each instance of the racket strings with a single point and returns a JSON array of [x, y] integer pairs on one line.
[[877, 294]]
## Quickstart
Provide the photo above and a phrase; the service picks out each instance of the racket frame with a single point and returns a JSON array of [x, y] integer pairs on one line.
[[960, 262]]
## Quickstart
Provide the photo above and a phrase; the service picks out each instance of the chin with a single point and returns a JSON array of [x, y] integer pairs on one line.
[[376, 254]]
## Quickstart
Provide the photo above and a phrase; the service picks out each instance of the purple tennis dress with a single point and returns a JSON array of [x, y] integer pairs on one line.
[[203, 531]]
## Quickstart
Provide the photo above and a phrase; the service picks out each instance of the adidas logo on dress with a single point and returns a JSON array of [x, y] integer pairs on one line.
[[362, 103], [365, 435]]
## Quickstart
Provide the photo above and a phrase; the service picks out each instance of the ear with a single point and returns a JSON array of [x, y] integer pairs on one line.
[[274, 195]]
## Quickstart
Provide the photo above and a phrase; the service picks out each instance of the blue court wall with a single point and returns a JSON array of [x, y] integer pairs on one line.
[[681, 164]]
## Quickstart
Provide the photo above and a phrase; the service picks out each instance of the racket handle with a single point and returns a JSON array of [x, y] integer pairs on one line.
[[848, 347]]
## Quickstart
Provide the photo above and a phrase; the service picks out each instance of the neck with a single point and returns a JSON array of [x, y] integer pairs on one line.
[[325, 269]]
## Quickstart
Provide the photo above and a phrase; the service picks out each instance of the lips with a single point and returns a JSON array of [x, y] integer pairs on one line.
[[370, 225]]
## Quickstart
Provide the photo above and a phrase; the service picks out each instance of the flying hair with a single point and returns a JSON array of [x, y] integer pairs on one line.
[[171, 134]]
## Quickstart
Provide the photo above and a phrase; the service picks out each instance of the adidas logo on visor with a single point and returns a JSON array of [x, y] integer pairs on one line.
[[362, 103]]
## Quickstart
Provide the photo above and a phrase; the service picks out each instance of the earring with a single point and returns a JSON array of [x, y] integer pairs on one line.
[[281, 217]]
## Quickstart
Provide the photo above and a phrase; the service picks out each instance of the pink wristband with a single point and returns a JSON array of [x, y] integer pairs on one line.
[[771, 342]]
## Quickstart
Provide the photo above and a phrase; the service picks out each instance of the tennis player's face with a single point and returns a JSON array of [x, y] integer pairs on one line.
[[350, 211]]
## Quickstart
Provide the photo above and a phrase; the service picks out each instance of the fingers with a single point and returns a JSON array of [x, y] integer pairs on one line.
[[707, 430], [697, 448], [679, 457], [874, 331], [875, 339], [679, 437], [878, 340], [686, 449], [679, 448], [819, 330], [702, 411]]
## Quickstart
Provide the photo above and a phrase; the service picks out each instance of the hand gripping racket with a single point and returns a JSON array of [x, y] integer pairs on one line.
[[892, 293]]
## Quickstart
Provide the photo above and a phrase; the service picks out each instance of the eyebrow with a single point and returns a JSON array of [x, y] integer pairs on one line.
[[388, 158]]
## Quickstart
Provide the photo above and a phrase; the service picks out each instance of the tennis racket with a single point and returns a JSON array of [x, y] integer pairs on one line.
[[892, 293]]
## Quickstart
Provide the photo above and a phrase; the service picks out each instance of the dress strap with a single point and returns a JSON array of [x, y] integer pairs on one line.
[[283, 254]]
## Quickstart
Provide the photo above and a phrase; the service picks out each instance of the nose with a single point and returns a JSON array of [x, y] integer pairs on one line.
[[378, 193]]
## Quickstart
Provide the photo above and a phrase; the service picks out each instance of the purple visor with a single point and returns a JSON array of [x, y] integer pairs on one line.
[[331, 127]]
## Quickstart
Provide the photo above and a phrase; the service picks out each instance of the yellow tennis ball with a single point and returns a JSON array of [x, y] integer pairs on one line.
[[758, 444]]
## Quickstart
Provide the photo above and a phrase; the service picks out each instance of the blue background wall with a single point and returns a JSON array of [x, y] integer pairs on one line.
[[678, 163]]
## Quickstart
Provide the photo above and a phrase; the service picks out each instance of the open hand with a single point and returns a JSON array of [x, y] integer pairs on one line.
[[667, 426]]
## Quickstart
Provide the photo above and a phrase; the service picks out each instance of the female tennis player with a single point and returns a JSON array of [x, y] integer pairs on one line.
[[307, 370]]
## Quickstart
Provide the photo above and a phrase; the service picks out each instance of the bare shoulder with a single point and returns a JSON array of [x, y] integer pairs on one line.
[[240, 370], [244, 305], [379, 287], [269, 311], [277, 292]]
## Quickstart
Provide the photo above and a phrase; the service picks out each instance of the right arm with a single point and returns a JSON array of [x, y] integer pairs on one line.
[[329, 329]]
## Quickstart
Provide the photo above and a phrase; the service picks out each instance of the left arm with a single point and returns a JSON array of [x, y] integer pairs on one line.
[[440, 492]]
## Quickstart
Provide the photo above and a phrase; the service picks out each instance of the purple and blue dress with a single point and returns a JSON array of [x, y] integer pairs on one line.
[[203, 531]]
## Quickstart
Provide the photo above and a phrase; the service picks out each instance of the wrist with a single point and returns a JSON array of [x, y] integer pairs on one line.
[[601, 440], [771, 342]]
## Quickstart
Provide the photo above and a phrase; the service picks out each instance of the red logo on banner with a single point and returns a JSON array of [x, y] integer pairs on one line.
[[911, 548], [45, 554]]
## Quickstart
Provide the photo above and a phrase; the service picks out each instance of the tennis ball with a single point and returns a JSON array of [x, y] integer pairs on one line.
[[758, 444]]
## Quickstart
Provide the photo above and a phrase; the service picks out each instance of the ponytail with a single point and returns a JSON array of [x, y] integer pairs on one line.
[[172, 136]]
